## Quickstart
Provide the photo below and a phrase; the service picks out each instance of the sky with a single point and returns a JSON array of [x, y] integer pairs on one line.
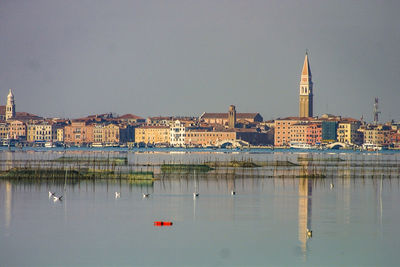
[[74, 58]]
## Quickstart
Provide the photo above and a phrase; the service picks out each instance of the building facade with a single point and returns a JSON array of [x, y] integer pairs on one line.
[[152, 134], [178, 134], [347, 132], [329, 131], [41, 132], [79, 133], [17, 130]]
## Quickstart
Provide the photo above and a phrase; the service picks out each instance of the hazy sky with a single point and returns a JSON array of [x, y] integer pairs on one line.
[[74, 58]]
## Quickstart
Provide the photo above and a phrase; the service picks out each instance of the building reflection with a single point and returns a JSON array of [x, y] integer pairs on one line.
[[7, 204], [305, 211]]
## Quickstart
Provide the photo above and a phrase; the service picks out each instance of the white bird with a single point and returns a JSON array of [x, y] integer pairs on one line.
[[195, 194], [55, 199], [117, 195], [332, 186], [233, 193], [51, 194], [146, 195]]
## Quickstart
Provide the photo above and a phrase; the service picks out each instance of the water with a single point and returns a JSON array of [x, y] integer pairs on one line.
[[354, 223]]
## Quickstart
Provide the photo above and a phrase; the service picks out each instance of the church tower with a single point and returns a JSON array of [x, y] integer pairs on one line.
[[232, 117], [306, 91], [10, 107]]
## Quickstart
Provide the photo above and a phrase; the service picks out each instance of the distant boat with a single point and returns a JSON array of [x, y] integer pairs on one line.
[[97, 145], [49, 144], [372, 147], [299, 145]]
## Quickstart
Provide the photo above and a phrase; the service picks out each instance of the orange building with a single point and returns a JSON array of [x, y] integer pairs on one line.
[[283, 131], [314, 133], [208, 138], [79, 133], [152, 134], [16, 129], [298, 133]]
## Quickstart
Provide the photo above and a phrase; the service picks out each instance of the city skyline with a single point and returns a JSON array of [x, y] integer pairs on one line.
[[176, 58]]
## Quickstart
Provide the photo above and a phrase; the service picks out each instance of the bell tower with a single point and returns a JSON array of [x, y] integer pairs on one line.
[[232, 117], [10, 107], [306, 90]]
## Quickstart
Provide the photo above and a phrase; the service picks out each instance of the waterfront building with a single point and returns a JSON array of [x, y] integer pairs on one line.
[[329, 131], [3, 131], [378, 135], [204, 138], [111, 134], [60, 135], [98, 133], [314, 134], [306, 90], [395, 139], [298, 133], [306, 133], [10, 107], [79, 133], [347, 131], [177, 134], [152, 134], [16, 130], [282, 129], [255, 136], [41, 132]]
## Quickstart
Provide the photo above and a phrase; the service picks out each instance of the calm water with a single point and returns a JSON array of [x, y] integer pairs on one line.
[[354, 223]]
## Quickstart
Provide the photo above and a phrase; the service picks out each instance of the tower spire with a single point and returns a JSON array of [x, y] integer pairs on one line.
[[10, 107], [306, 90], [306, 66]]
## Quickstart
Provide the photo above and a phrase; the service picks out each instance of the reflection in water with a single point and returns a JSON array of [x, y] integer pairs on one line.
[[346, 174], [7, 204], [305, 206]]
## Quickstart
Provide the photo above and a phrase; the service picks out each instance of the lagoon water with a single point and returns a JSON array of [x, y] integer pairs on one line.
[[354, 223]]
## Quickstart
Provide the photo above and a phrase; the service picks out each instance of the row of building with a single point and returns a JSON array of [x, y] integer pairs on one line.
[[330, 129], [209, 129]]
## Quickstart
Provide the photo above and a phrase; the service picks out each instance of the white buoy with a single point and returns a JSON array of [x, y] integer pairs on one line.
[[117, 195]]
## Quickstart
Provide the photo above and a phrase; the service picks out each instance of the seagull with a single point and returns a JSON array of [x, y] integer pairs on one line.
[[233, 193], [51, 194], [146, 195], [309, 233], [117, 195], [332, 186], [195, 195], [55, 199]]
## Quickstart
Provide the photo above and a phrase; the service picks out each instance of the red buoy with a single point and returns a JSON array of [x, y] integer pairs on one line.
[[161, 223]]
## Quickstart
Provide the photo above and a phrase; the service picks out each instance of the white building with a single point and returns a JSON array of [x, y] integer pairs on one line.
[[177, 134]]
